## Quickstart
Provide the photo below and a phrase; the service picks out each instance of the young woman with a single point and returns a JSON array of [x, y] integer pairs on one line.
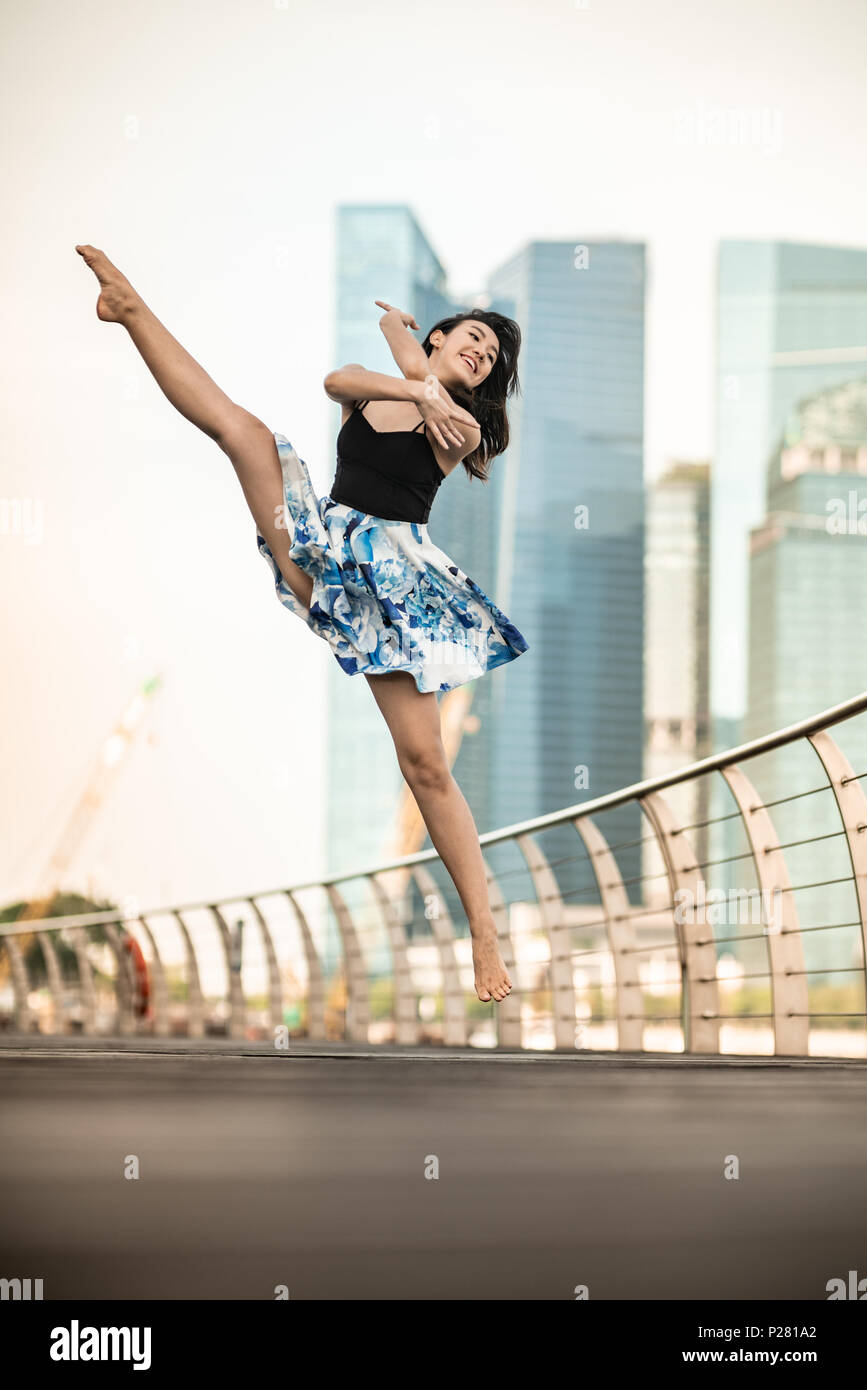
[[358, 565]]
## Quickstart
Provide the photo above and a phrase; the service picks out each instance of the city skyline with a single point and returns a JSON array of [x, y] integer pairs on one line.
[[338, 692], [146, 558]]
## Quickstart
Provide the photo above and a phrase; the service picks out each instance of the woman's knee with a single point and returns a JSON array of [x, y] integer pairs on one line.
[[425, 766], [239, 429]]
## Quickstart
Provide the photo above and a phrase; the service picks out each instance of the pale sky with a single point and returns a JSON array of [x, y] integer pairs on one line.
[[204, 147]]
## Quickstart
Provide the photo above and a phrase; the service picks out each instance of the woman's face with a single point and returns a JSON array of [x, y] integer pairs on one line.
[[466, 355]]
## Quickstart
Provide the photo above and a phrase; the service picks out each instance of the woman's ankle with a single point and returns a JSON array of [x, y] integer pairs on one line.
[[482, 926], [131, 310]]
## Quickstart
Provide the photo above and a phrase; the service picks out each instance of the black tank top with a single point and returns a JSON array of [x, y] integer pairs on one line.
[[389, 473]]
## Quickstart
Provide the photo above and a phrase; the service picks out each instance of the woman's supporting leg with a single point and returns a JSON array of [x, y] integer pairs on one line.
[[413, 720], [243, 437]]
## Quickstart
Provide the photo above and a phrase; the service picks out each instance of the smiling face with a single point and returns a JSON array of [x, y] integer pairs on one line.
[[466, 355]]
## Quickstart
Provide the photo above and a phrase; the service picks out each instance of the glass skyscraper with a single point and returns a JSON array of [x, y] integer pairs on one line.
[[791, 321], [570, 530], [676, 651], [808, 646], [808, 567]]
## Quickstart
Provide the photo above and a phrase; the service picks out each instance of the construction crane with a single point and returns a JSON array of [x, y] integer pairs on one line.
[[109, 761]]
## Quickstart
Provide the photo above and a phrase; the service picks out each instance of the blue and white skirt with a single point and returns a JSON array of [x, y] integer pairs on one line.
[[385, 598]]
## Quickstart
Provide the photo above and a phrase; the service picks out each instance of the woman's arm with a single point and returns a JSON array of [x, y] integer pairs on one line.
[[355, 383], [407, 352], [443, 416]]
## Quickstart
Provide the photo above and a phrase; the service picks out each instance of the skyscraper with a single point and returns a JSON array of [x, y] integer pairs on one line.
[[808, 643], [570, 528], [791, 320], [676, 648], [808, 565]]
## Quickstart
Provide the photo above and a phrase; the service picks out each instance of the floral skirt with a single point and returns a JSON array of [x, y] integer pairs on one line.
[[385, 598]]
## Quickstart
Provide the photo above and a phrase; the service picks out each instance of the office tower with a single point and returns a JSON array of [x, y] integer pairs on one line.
[[676, 647], [808, 639], [567, 714], [808, 565], [791, 321]]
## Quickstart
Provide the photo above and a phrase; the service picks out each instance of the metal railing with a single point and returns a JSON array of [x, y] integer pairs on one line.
[[600, 958]]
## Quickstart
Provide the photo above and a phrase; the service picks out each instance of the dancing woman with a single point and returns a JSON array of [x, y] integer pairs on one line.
[[358, 565]]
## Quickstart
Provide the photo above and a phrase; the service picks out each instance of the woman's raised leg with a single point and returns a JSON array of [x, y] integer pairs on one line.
[[243, 437], [413, 720]]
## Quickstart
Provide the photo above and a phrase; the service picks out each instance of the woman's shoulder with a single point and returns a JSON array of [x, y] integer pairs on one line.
[[348, 409]]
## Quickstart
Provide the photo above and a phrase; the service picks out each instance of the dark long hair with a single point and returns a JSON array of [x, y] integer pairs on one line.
[[487, 404]]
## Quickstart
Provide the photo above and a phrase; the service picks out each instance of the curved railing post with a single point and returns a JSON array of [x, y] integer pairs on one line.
[[508, 1014], [315, 980], [852, 805], [357, 988], [553, 915], [18, 973], [785, 947], [455, 1030], [275, 989], [86, 986], [407, 1025], [160, 992], [694, 938], [55, 979], [125, 1022], [620, 933], [195, 999], [237, 1006]]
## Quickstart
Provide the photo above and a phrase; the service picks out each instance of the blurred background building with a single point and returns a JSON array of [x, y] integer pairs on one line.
[[791, 321], [677, 641], [807, 644]]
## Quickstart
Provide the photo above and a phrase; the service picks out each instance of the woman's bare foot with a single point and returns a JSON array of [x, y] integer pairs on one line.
[[491, 976], [117, 297]]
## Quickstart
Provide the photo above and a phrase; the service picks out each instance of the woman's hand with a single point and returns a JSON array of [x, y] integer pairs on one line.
[[441, 413], [406, 350], [406, 319]]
